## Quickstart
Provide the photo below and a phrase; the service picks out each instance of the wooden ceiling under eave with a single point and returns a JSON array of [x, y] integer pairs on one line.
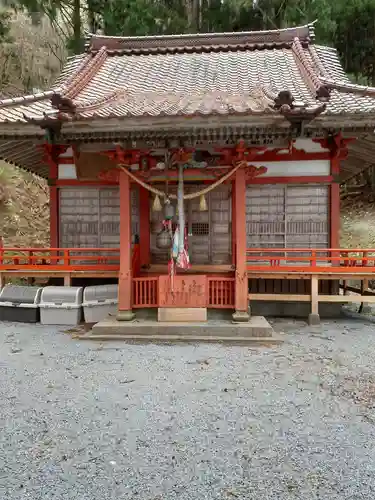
[[361, 156], [25, 154]]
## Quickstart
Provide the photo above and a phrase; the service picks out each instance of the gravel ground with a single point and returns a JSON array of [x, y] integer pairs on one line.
[[90, 421]]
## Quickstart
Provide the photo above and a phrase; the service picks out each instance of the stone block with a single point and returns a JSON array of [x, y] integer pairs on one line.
[[182, 314]]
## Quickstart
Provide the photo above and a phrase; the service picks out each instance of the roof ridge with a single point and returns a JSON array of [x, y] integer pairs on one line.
[[69, 81], [319, 91], [305, 65], [27, 99], [95, 42], [365, 91], [90, 65], [318, 63]]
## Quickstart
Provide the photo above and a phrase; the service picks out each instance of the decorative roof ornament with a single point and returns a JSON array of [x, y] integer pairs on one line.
[[284, 101], [323, 93], [64, 104]]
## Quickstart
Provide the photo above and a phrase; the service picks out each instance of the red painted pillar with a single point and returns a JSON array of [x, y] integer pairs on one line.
[[335, 204], [233, 223], [125, 312], [241, 283], [53, 206], [144, 222]]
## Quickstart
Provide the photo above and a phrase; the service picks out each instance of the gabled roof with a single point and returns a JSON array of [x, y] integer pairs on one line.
[[195, 75], [266, 78]]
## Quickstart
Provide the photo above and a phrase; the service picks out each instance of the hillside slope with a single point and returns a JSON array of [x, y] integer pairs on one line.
[[357, 224], [25, 221]]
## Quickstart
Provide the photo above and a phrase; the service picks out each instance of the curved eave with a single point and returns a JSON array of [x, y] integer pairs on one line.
[[355, 121]]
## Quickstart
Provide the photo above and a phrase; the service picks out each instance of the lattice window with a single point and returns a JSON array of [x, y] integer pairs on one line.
[[90, 217], [289, 216], [200, 228]]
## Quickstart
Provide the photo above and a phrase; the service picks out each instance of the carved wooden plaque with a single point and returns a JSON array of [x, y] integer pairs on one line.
[[188, 291]]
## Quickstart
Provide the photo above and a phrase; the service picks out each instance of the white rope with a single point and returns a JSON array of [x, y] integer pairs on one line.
[[189, 196]]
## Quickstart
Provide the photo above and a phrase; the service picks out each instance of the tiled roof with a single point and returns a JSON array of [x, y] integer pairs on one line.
[[269, 75], [188, 75]]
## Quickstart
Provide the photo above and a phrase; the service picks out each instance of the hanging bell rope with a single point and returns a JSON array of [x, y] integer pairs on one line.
[[189, 196]]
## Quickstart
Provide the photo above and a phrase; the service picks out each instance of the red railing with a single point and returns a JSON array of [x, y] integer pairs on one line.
[[301, 260], [145, 292], [352, 261], [59, 259], [220, 292]]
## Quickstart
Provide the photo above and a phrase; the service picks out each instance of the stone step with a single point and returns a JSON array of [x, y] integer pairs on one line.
[[258, 326], [134, 338]]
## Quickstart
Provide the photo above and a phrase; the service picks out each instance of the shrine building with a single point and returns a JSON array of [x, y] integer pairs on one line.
[[237, 141]]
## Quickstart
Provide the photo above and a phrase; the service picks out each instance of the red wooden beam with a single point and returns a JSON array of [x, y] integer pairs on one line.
[[241, 284], [334, 201], [77, 182], [233, 223], [125, 276], [53, 206], [308, 179]]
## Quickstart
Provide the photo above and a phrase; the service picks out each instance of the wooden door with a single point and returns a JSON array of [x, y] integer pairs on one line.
[[209, 232]]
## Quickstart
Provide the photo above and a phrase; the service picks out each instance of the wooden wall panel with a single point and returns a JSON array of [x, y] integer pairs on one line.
[[287, 216], [90, 216], [109, 217], [221, 225], [79, 217]]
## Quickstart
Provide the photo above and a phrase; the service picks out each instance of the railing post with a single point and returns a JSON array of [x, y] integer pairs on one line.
[[364, 308], [364, 259], [314, 318], [66, 258], [313, 258], [241, 313]]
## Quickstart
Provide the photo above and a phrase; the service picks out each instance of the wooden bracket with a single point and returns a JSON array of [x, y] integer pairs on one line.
[[52, 152], [252, 171], [336, 144]]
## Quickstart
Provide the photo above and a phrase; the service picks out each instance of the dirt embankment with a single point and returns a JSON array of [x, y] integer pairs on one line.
[[357, 225], [24, 221]]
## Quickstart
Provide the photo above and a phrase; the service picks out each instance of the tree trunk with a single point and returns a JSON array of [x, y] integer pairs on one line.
[[77, 25], [91, 16], [192, 8]]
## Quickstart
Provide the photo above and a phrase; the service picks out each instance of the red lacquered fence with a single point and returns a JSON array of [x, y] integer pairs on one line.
[[307, 260], [145, 292], [220, 292], [60, 259], [258, 259]]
